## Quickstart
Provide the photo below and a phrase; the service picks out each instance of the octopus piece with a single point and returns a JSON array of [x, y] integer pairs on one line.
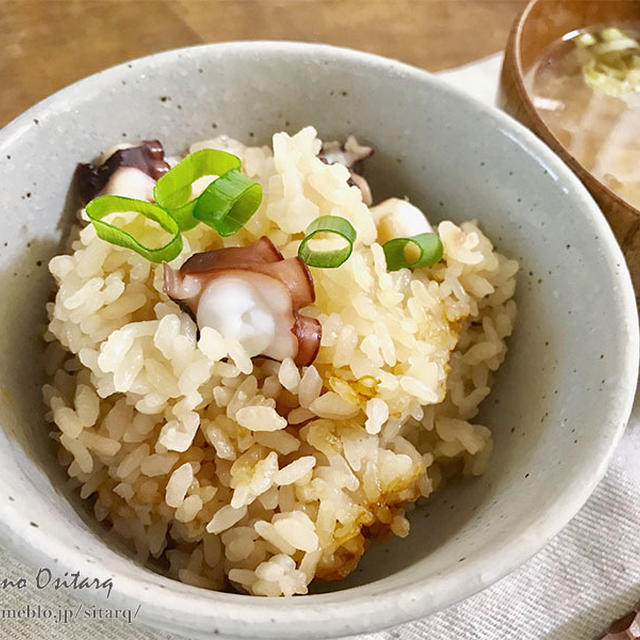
[[396, 218], [130, 170], [251, 294], [351, 155]]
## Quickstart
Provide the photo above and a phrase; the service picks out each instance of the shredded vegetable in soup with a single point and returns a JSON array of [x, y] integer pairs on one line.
[[586, 87]]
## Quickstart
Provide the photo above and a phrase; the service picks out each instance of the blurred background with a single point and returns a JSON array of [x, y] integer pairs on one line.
[[48, 44]]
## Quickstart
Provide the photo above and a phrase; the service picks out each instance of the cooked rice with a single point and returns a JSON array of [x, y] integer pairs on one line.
[[254, 472]]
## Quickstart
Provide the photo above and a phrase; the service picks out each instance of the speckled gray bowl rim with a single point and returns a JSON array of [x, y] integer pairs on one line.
[[314, 616]]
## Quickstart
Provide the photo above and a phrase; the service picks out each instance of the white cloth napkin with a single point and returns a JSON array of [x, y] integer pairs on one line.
[[571, 590], [479, 79]]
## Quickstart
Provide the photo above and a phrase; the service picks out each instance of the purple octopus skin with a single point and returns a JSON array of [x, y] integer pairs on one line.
[[353, 159], [147, 156]]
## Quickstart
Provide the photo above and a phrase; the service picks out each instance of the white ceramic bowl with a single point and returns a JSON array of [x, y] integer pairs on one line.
[[561, 400]]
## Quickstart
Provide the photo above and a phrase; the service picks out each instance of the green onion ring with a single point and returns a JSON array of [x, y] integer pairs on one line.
[[328, 259], [428, 244], [228, 202], [102, 206], [173, 191], [184, 215]]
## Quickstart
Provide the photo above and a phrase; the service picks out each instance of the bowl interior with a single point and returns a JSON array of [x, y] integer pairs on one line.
[[560, 401]]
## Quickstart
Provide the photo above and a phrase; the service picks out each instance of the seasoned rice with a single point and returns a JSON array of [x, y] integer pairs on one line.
[[254, 472]]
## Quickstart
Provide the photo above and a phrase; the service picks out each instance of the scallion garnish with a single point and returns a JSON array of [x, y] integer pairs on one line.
[[228, 202], [102, 206], [173, 190], [429, 247], [328, 259]]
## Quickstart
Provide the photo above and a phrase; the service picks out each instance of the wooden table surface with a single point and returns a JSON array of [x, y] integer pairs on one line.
[[47, 44]]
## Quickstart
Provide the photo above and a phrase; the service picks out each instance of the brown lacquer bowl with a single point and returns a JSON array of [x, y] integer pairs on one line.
[[542, 22]]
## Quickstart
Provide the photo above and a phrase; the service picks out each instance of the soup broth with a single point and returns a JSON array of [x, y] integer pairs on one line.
[[600, 129]]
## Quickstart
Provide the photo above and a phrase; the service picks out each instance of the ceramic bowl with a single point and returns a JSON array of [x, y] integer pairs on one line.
[[541, 23], [560, 402]]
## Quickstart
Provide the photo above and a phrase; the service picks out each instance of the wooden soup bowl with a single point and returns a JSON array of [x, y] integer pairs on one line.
[[542, 22]]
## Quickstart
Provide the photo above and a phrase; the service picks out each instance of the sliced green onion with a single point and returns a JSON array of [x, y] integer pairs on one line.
[[173, 190], [328, 259], [100, 207], [428, 245], [228, 202], [184, 215]]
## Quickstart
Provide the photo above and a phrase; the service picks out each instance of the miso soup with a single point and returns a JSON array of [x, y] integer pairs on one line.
[[586, 88]]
